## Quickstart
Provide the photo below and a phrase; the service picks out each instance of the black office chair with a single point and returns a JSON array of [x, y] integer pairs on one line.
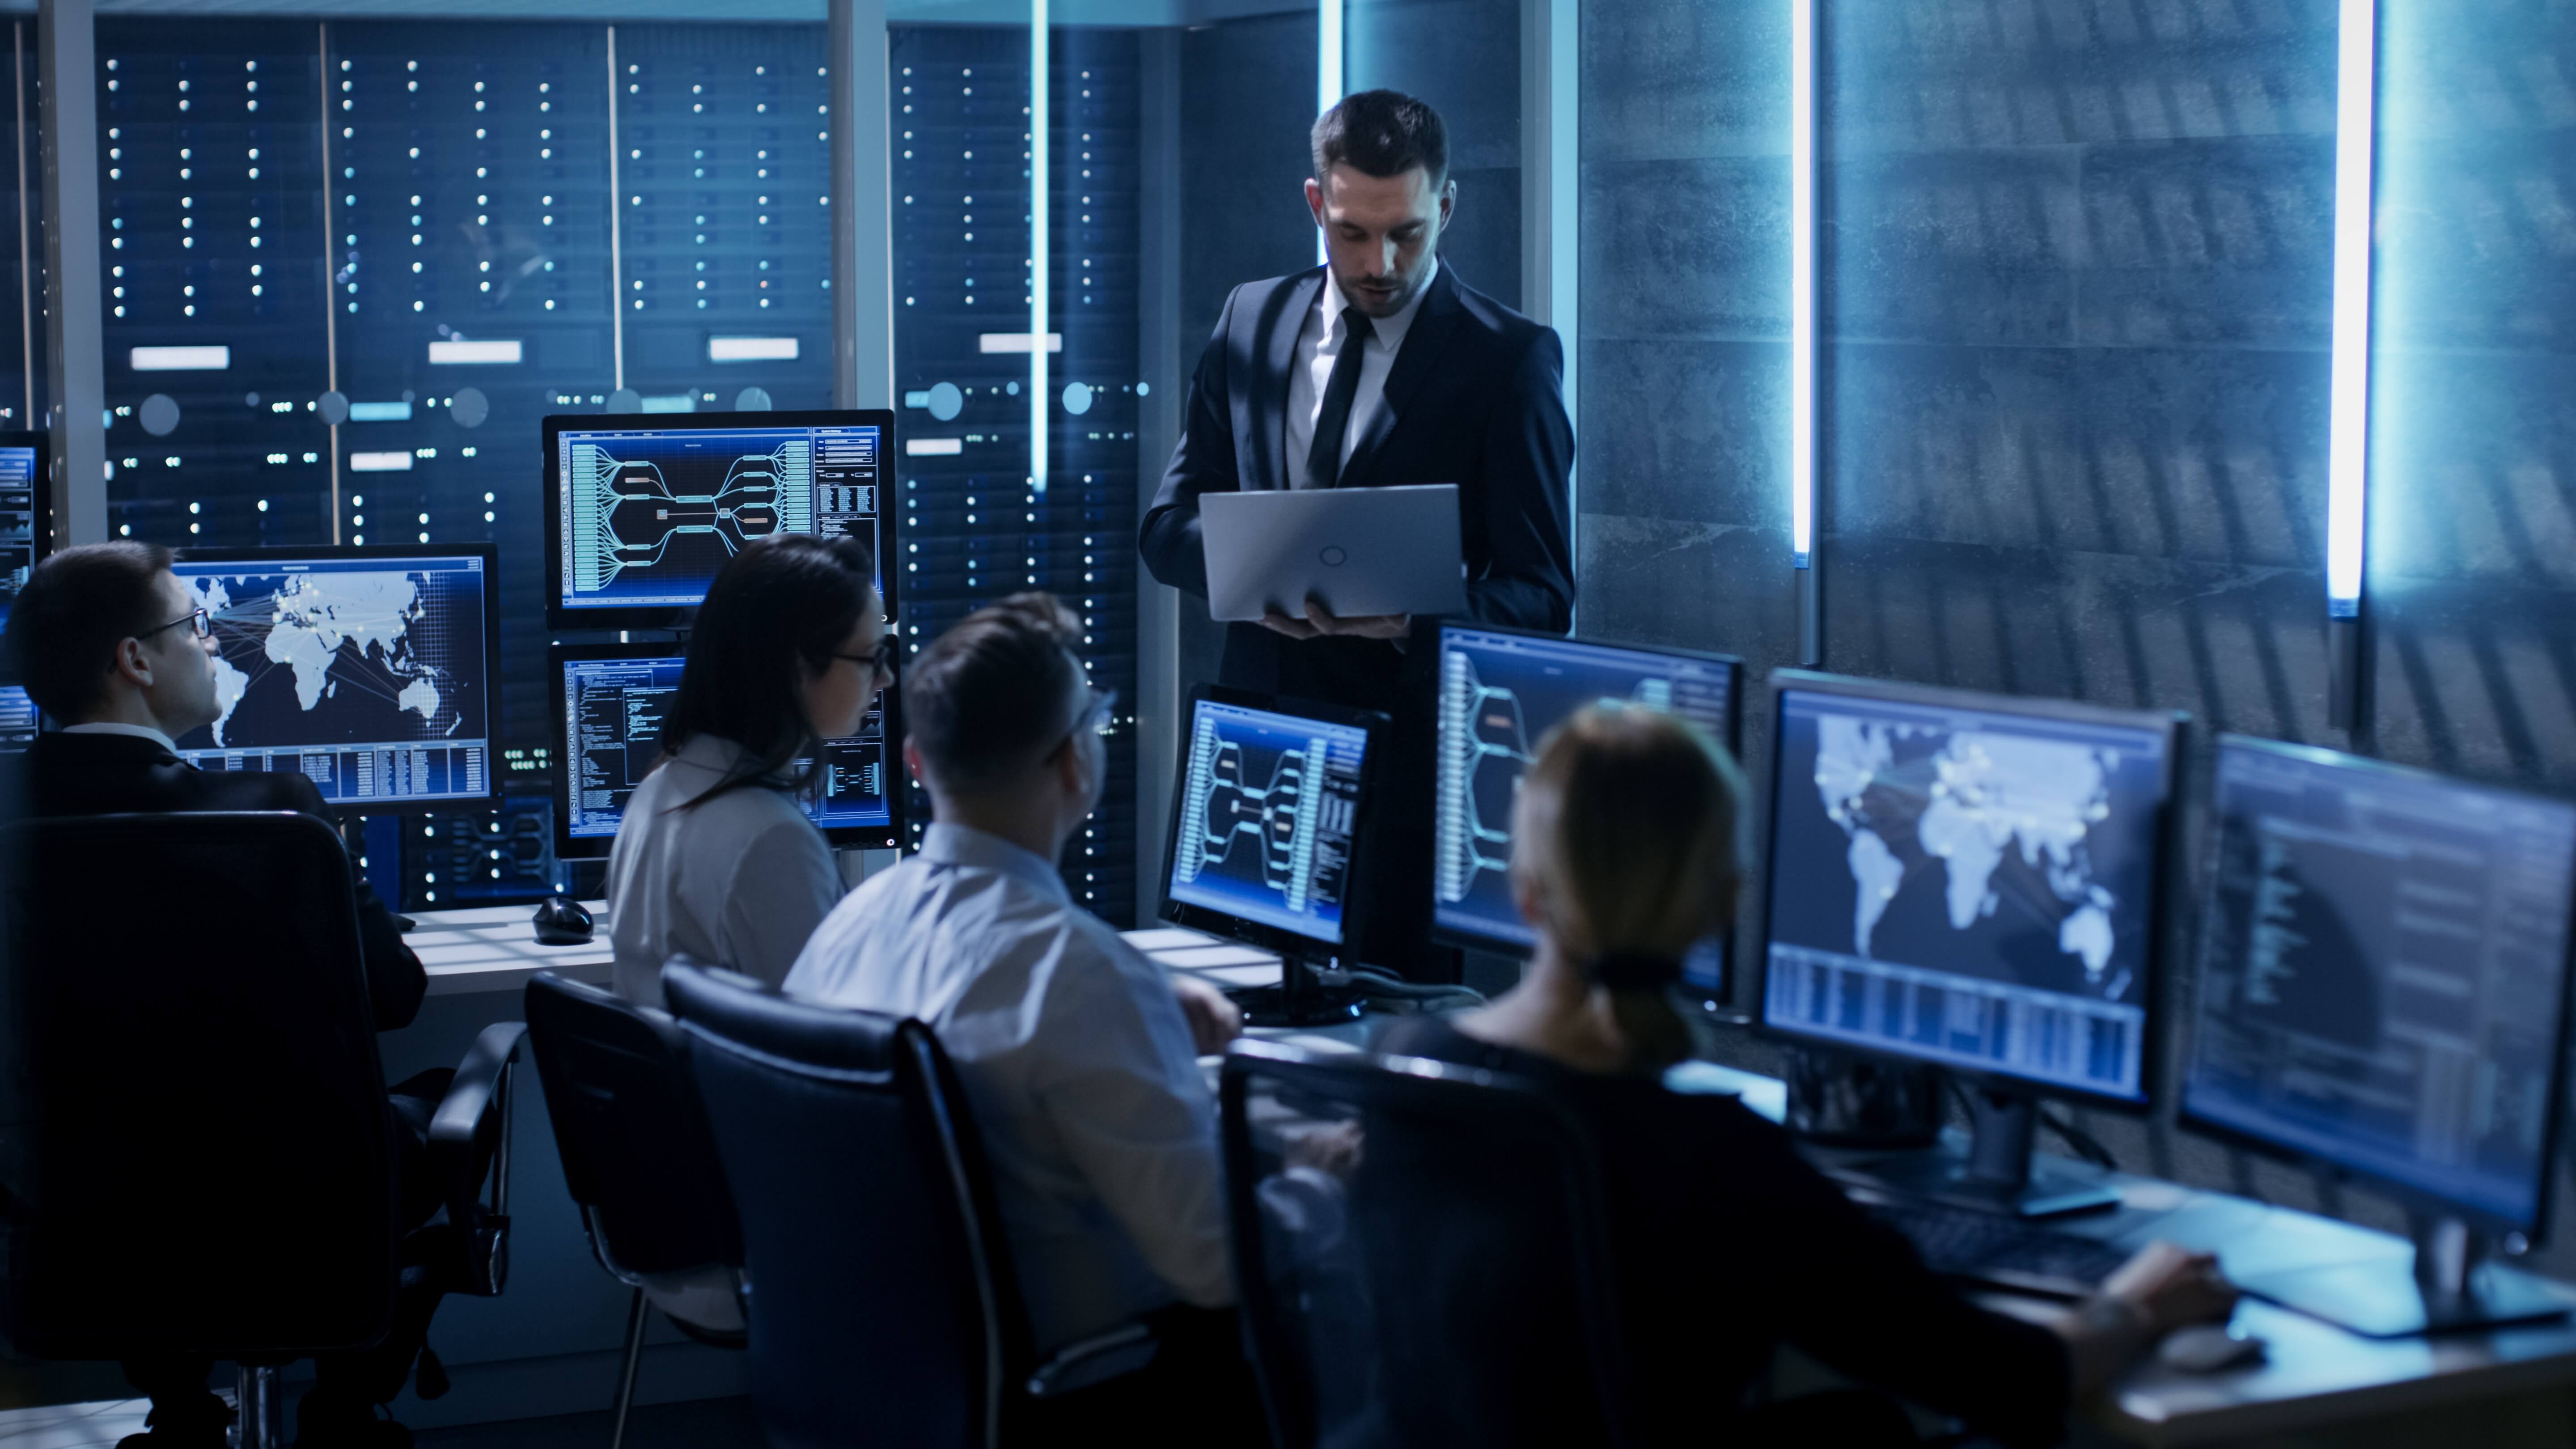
[[204, 1162], [1452, 1287], [883, 1306], [638, 1159]]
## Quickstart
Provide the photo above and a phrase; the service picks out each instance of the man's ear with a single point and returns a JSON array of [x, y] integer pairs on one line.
[[1448, 202], [132, 664], [912, 760], [1315, 199]]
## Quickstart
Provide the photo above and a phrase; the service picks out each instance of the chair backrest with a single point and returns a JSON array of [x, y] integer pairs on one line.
[[882, 1304], [1428, 1265], [638, 1157], [210, 1160]]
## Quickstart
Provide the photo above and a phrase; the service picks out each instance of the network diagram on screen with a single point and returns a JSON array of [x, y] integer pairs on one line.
[[646, 516], [612, 732], [1268, 805], [368, 675], [2381, 970], [1965, 886], [1500, 694]]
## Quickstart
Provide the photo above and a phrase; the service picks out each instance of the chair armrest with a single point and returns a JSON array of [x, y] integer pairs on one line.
[[469, 1144], [1095, 1360]]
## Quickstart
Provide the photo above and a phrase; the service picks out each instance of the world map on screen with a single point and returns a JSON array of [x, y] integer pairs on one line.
[[326, 658], [1968, 800]]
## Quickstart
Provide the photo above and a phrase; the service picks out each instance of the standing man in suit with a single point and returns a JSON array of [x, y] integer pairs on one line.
[[1380, 368], [115, 650]]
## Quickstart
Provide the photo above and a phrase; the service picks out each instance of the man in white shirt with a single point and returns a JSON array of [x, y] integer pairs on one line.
[[1077, 1054]]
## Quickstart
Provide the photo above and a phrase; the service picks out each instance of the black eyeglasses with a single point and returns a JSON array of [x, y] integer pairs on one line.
[[1098, 716], [882, 658], [204, 622]]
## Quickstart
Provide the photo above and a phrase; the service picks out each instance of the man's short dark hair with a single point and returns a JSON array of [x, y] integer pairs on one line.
[[1382, 133], [986, 701], [68, 619]]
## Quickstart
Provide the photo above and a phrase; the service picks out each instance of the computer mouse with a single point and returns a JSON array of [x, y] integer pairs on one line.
[[562, 922], [2209, 1349]]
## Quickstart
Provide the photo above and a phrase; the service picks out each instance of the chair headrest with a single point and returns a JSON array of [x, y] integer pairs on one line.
[[745, 1014], [557, 1003]]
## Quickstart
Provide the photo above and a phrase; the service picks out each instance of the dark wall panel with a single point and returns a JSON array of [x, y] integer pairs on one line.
[[2076, 314]]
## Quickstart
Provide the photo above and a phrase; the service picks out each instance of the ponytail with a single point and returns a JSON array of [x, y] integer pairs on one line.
[[1627, 839]]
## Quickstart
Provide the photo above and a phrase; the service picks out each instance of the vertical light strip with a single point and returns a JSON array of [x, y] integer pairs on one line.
[[330, 279], [1328, 73], [616, 228], [26, 259], [1039, 172], [2348, 441], [1802, 282]]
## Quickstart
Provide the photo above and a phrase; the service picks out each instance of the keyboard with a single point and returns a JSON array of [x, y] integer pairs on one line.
[[2001, 1251]]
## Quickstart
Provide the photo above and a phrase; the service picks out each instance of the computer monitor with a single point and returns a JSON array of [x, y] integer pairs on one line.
[[644, 512], [1501, 691], [1971, 881], [370, 670], [18, 720], [26, 512], [2383, 990], [609, 700], [1273, 794]]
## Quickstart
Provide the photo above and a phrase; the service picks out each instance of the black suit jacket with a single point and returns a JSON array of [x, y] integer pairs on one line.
[[1475, 398], [126, 774]]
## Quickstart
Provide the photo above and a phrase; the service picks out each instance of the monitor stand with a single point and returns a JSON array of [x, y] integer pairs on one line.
[[2000, 1173], [2450, 1286], [1301, 998]]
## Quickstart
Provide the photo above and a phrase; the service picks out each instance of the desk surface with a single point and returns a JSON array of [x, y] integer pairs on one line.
[[2315, 1375], [494, 948]]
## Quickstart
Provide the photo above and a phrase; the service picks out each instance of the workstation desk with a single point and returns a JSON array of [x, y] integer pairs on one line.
[[550, 1344]]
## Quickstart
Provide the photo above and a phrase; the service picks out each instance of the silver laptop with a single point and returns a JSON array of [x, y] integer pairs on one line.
[[1357, 551]]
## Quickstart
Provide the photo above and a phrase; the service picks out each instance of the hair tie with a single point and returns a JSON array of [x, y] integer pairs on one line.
[[1635, 970]]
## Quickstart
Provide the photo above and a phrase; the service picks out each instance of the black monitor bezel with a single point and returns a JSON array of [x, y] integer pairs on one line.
[[1290, 945], [676, 616], [2173, 724], [2412, 1194], [486, 550], [40, 505], [1473, 940], [559, 779]]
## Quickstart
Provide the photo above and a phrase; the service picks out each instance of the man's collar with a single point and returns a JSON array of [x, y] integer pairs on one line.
[[140, 732], [1389, 329], [950, 844]]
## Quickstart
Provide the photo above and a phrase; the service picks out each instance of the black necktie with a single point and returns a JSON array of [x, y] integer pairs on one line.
[[1324, 458]]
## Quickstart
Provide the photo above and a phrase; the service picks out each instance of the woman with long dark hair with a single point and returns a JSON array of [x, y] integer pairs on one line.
[[1628, 846], [716, 858]]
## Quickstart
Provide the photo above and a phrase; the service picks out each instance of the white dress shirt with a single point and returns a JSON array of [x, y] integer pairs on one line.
[[737, 882], [140, 732], [1076, 1063], [1319, 345]]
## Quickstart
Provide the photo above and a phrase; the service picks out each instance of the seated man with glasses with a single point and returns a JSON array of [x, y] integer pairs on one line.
[[1077, 1054], [116, 652]]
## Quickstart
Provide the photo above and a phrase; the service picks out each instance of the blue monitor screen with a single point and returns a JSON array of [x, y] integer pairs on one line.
[[1967, 887], [18, 717], [612, 735], [1500, 694], [645, 516], [1268, 804], [2383, 963], [19, 514], [369, 675]]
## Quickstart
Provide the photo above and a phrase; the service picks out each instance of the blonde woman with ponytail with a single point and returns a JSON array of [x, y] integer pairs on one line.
[[1629, 842]]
